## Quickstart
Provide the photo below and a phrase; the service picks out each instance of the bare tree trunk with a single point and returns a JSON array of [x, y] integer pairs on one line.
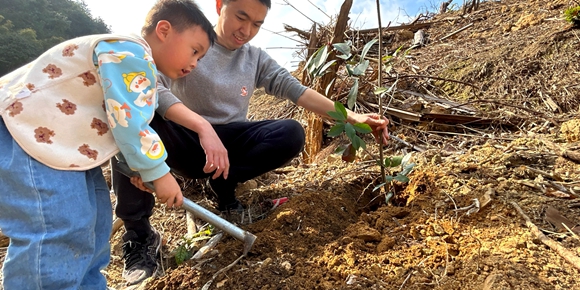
[[314, 129], [443, 7]]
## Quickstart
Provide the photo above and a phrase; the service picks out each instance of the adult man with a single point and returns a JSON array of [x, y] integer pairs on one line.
[[208, 133]]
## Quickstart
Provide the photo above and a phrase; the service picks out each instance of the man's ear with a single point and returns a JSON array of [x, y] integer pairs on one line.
[[162, 29], [218, 6]]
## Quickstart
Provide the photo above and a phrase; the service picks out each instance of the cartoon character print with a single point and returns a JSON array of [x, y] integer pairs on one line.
[[137, 82], [118, 113], [151, 145], [114, 57]]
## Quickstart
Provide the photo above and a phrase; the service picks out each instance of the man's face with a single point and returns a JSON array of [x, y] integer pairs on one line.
[[239, 21]]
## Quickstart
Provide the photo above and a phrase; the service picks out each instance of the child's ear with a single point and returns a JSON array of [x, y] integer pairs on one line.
[[218, 6], [162, 29]]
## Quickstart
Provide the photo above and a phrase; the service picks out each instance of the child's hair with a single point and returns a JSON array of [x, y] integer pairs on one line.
[[182, 14], [265, 2]]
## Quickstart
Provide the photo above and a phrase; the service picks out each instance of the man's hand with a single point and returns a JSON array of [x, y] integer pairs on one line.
[[168, 191], [216, 155], [378, 125]]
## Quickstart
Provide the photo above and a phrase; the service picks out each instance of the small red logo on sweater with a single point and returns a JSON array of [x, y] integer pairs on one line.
[[244, 91]]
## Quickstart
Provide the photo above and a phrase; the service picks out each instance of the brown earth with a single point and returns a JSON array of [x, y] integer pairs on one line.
[[337, 233]]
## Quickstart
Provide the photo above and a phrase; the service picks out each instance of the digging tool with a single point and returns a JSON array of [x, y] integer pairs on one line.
[[200, 212]]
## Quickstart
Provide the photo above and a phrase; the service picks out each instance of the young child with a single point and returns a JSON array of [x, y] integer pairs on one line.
[[65, 114]]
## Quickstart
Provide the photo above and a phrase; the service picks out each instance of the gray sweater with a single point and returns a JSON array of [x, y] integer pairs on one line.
[[220, 87]]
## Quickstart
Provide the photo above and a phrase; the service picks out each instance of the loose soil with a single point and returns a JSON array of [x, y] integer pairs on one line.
[[337, 232]]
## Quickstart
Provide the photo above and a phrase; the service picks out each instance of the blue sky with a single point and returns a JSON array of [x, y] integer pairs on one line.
[[124, 16]]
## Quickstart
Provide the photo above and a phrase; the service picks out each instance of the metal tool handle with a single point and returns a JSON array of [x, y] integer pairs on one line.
[[199, 211]]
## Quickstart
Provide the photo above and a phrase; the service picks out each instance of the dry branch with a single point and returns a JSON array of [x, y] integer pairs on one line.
[[563, 252], [455, 32], [4, 240]]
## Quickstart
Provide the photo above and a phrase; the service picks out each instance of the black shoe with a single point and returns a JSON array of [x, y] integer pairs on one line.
[[140, 256], [235, 214]]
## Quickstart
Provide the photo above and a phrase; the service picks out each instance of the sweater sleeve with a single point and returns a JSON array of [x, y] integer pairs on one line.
[[128, 78], [166, 97], [277, 80]]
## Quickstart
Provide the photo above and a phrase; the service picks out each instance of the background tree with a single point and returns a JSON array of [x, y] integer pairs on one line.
[[29, 27]]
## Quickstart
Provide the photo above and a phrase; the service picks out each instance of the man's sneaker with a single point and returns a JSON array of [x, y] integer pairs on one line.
[[236, 214], [140, 256], [245, 216]]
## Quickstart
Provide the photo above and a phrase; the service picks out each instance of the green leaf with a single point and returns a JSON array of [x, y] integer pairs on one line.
[[343, 48], [357, 142], [387, 162], [388, 178], [336, 115], [319, 57], [407, 169], [352, 95], [323, 69], [340, 149], [350, 132], [323, 56], [379, 90], [361, 67], [339, 107], [329, 86], [396, 161], [336, 130], [402, 178], [367, 47], [379, 186], [363, 128], [182, 254], [349, 70]]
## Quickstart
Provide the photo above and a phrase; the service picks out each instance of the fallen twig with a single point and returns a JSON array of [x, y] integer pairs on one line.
[[455, 32], [563, 252], [208, 283]]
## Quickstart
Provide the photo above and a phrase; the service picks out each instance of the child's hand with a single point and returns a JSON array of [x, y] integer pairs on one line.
[[168, 191]]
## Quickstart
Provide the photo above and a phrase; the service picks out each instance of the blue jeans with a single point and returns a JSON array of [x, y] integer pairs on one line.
[[58, 222]]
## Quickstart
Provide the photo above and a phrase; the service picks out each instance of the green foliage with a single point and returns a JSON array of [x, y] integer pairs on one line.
[[356, 66], [316, 66], [573, 15], [342, 126], [30, 27], [188, 247], [401, 176], [349, 152]]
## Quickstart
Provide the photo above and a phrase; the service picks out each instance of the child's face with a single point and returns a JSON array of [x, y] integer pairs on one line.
[[180, 51], [239, 21]]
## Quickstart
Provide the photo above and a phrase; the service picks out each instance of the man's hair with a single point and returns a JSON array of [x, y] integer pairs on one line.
[[182, 14], [265, 2]]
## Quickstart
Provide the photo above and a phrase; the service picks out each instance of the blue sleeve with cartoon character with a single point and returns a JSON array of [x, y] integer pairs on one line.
[[129, 77]]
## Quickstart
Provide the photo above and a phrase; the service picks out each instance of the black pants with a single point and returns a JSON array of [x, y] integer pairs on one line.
[[254, 148]]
